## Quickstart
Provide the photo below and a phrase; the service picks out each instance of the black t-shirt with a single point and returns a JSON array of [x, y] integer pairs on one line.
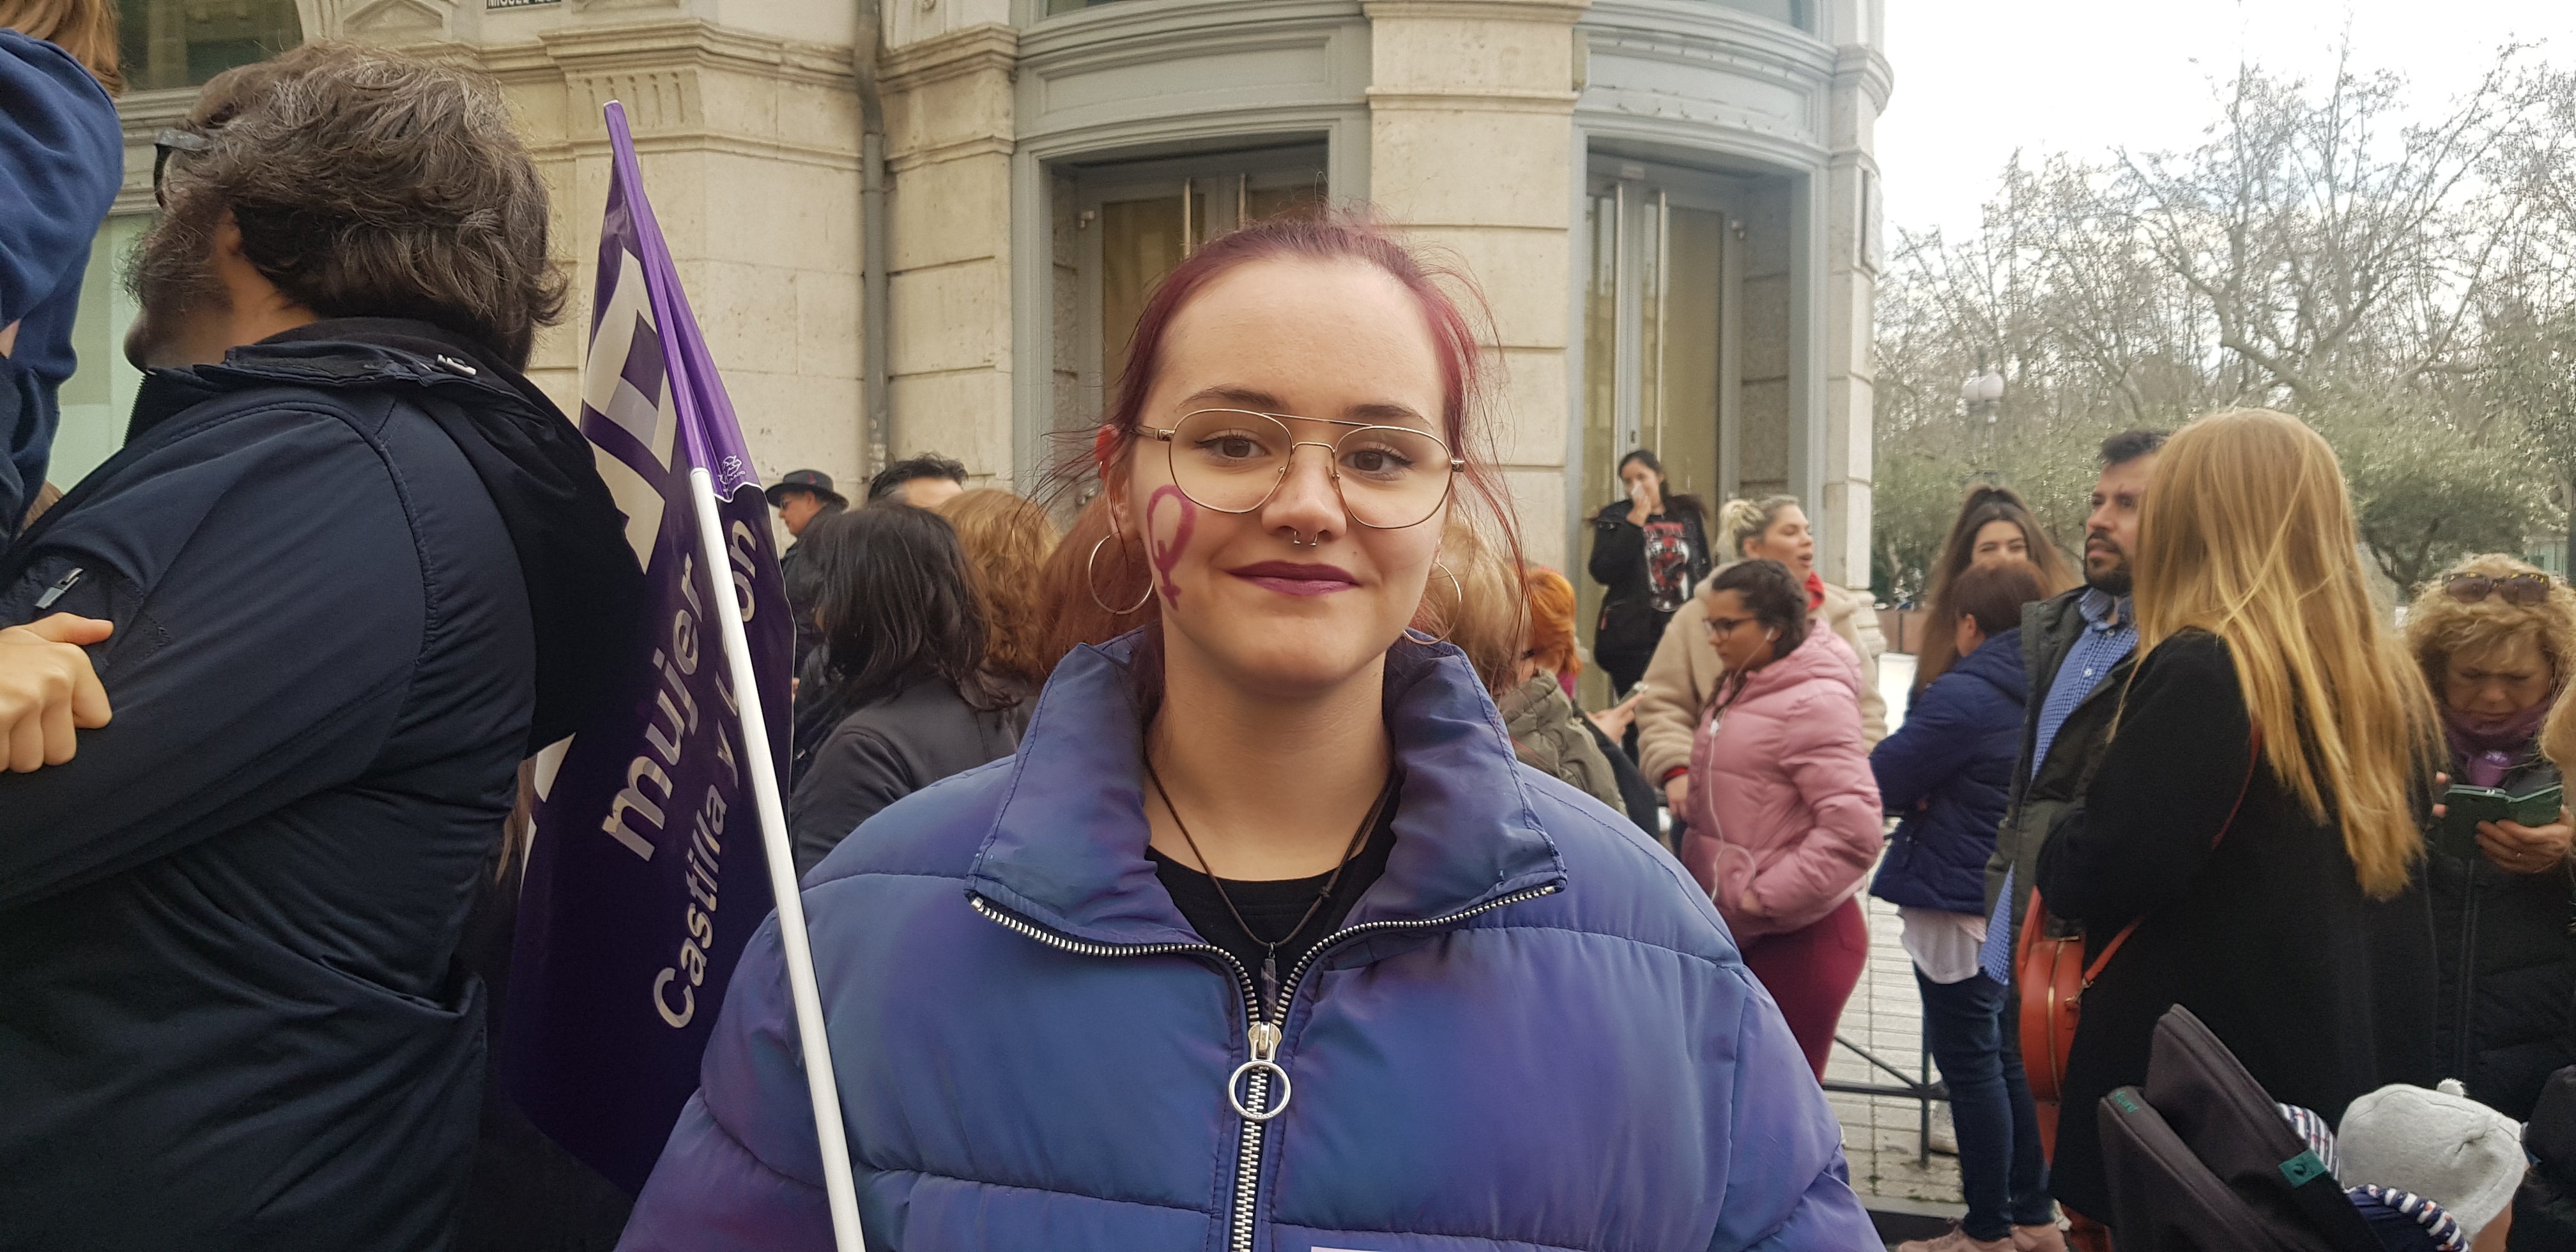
[[1272, 908]]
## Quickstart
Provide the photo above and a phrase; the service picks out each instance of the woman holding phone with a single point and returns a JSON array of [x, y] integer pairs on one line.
[[1264, 939], [2497, 639], [1649, 551]]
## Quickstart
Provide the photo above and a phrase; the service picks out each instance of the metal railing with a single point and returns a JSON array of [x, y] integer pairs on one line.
[[1923, 1089]]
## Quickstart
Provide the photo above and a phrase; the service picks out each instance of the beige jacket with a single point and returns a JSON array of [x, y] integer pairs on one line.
[[1685, 670]]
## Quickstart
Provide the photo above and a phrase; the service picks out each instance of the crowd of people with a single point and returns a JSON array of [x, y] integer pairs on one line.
[[2212, 776], [1215, 850]]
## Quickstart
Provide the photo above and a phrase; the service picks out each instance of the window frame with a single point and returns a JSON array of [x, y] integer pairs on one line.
[[1650, 190], [1095, 184]]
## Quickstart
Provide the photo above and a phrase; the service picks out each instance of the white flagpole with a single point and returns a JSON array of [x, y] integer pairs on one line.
[[838, 1189]]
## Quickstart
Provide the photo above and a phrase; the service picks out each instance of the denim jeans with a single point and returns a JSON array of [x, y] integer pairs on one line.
[[2002, 1175]]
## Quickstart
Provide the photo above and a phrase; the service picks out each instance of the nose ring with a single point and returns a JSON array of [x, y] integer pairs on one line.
[[1298, 539]]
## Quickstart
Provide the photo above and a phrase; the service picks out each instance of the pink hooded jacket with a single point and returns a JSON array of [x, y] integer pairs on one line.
[[1781, 795]]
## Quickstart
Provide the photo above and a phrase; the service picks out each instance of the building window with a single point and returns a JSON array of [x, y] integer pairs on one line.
[[1798, 13], [1133, 222], [1686, 336], [1654, 313], [182, 43], [99, 396], [1054, 7]]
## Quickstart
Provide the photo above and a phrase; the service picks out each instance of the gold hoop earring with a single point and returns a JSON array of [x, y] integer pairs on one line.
[[1451, 626], [1091, 581]]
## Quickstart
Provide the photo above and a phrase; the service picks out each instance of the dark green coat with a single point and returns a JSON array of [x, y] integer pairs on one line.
[[2049, 630]]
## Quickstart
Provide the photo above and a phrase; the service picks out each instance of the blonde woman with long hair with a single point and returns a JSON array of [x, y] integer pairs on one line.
[[2254, 828]]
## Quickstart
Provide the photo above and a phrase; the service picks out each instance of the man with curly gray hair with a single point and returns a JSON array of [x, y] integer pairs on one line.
[[356, 568]]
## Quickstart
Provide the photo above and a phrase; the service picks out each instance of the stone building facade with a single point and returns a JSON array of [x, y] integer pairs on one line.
[[1670, 205]]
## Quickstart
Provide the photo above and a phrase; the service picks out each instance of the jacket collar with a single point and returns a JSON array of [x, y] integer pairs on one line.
[[338, 354], [2100, 608], [1067, 849], [585, 590]]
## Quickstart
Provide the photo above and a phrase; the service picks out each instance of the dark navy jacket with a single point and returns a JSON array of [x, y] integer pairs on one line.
[[1531, 1033], [1948, 773], [62, 154], [230, 1015]]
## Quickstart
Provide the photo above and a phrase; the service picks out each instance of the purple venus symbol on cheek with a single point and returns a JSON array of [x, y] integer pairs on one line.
[[1167, 554]]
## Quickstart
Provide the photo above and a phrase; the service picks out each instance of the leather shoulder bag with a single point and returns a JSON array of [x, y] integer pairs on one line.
[[2052, 976]]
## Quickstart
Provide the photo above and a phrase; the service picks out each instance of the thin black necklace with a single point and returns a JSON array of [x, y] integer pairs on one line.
[[1270, 947]]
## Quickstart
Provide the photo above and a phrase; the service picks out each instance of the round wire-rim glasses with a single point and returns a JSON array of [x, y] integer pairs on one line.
[[1233, 461]]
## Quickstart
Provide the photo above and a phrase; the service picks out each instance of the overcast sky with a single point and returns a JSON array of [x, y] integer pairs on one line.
[[1977, 79]]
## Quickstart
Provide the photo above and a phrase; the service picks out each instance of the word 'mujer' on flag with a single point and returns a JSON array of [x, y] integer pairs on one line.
[[646, 877]]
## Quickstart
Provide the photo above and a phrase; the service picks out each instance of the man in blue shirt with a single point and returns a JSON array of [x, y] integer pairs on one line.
[[2073, 647]]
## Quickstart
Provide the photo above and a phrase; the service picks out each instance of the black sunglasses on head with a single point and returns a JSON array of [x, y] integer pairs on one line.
[[2512, 588], [172, 139]]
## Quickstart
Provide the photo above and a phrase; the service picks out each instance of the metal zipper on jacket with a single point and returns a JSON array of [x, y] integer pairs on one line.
[[1248, 1162], [1261, 1033], [55, 592]]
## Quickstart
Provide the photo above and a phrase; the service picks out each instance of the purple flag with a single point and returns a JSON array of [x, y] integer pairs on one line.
[[647, 873]]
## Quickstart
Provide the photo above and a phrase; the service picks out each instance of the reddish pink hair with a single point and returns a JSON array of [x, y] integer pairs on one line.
[[1344, 234]]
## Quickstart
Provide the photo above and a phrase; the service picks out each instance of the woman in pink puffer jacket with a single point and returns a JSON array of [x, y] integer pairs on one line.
[[1785, 820]]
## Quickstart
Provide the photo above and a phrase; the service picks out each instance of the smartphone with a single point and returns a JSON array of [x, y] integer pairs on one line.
[[2465, 807]]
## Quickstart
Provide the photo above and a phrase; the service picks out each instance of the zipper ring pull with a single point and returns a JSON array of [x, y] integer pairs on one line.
[[1237, 1080], [1264, 1038]]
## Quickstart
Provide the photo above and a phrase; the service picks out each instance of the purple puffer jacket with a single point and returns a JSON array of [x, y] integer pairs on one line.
[[1532, 1033]]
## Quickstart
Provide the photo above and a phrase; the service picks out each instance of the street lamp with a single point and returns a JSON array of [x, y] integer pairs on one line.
[[1983, 393]]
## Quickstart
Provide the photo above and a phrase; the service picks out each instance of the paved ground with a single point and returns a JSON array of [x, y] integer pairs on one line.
[[1882, 1136]]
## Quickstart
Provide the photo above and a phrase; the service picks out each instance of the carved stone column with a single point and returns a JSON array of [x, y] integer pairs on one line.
[[1860, 88], [949, 136], [1472, 146]]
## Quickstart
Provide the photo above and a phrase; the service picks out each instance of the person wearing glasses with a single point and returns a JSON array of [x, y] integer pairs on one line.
[[62, 154], [1784, 812], [1685, 671], [1263, 939], [357, 568], [2497, 640]]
